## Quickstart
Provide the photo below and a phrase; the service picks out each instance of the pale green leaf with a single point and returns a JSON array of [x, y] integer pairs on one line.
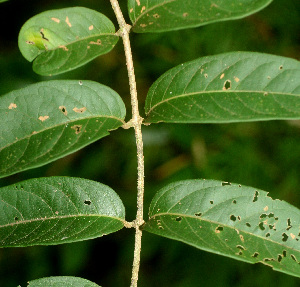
[[48, 120], [64, 39], [231, 87], [166, 15], [62, 281], [55, 210], [231, 220]]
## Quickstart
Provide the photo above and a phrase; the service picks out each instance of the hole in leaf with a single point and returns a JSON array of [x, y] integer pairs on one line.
[[279, 258], [280, 67], [241, 247], [227, 85], [16, 218], [87, 202], [255, 255], [232, 217], [225, 183], [261, 226], [160, 227], [255, 197], [211, 202], [234, 201], [239, 218], [284, 237], [178, 218], [289, 224], [198, 214], [263, 216], [248, 224], [63, 109], [219, 229], [284, 253], [268, 234], [294, 258]]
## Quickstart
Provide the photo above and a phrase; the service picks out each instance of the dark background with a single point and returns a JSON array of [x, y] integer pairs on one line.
[[265, 155]]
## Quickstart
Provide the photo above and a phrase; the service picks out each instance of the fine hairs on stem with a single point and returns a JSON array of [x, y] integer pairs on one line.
[[136, 123]]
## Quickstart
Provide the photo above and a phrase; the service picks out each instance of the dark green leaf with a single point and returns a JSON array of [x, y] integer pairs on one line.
[[61, 40], [62, 281], [231, 87], [55, 210], [166, 15], [231, 220], [48, 120]]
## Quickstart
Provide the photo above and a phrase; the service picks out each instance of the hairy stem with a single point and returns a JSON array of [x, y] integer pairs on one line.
[[136, 122]]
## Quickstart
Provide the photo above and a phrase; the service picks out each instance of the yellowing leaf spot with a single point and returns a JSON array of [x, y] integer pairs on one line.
[[12, 106], [131, 10], [43, 118], [80, 111], [96, 43], [138, 2], [68, 22], [222, 76], [156, 16], [77, 128], [91, 27], [143, 25], [236, 79], [63, 47], [143, 9], [55, 20], [185, 14], [266, 208], [242, 238], [56, 212], [293, 236]]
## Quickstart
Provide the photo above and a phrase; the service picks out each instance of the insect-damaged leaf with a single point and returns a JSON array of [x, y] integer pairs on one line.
[[62, 281], [231, 87], [229, 219], [55, 210], [166, 15], [61, 40], [48, 120]]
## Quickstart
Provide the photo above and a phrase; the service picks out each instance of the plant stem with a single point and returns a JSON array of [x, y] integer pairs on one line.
[[136, 122]]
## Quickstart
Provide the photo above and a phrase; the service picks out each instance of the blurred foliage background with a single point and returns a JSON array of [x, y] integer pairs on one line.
[[265, 155]]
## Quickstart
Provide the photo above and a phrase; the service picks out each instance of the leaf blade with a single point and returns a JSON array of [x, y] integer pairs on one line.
[[62, 40], [230, 220], [56, 210], [230, 87], [61, 281], [48, 120], [168, 15]]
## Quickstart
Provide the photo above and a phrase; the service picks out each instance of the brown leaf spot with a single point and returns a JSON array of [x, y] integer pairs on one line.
[[293, 236], [80, 111], [143, 25], [131, 10], [91, 27], [12, 106], [222, 76], [236, 79], [43, 118], [185, 14], [68, 22], [156, 16], [138, 2], [77, 128], [143, 9], [63, 47], [56, 212], [30, 42], [96, 43], [55, 20], [266, 208], [63, 109], [242, 238]]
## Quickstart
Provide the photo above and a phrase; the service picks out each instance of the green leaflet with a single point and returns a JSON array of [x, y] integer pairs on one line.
[[55, 210], [167, 15], [62, 281], [62, 40], [231, 220], [231, 87], [48, 120]]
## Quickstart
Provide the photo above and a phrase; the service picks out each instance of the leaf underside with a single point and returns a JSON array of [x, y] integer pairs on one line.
[[56, 210], [231, 87], [167, 15], [62, 281], [48, 120], [231, 220], [62, 40]]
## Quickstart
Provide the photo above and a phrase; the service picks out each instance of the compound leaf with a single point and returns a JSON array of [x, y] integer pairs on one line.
[[231, 220], [48, 120], [231, 87], [62, 40], [167, 15], [62, 281], [55, 210]]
